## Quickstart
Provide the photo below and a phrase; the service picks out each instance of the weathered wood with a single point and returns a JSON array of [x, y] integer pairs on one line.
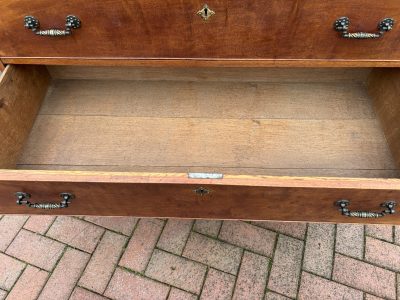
[[270, 75], [224, 100], [225, 127], [384, 87], [22, 90], [204, 63], [212, 143]]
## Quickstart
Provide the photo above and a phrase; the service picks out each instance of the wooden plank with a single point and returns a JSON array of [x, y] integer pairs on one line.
[[167, 195], [344, 173], [234, 143], [384, 87], [203, 62], [182, 178], [209, 99], [22, 89], [2, 66], [278, 75]]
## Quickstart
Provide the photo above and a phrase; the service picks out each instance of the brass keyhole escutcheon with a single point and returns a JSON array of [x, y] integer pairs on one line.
[[206, 12]]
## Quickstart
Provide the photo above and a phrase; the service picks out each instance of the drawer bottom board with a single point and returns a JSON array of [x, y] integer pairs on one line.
[[250, 128]]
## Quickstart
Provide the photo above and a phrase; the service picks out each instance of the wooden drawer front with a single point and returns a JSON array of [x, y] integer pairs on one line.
[[259, 29], [175, 196]]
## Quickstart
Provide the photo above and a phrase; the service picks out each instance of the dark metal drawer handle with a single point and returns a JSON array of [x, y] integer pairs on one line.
[[342, 25], [23, 199], [389, 209], [71, 22]]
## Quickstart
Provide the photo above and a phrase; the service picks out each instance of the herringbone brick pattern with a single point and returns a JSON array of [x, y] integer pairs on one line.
[[128, 258]]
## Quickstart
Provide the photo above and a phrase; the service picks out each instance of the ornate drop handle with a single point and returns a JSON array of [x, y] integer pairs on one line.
[[342, 25], [71, 22], [23, 199], [389, 209]]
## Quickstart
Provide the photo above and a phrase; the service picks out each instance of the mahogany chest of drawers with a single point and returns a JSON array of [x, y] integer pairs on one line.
[[262, 109]]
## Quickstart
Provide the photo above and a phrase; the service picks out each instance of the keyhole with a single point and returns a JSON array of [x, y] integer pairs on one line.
[[206, 11], [201, 191]]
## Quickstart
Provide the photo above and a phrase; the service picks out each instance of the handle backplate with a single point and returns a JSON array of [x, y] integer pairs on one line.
[[71, 22], [23, 199], [342, 25], [343, 208]]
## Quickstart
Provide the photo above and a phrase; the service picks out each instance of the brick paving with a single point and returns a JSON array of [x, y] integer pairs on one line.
[[99, 258]]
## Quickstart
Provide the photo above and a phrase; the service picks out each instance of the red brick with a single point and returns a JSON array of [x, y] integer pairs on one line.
[[398, 286], [64, 277], [141, 245], [252, 277], [248, 236], [382, 254], [314, 288], [363, 276], [103, 262], [29, 284], [208, 227], [350, 240], [124, 225], [397, 234], [218, 286], [176, 271], [9, 228], [82, 294], [126, 286], [10, 270], [371, 297], [176, 294], [274, 296], [383, 232], [294, 229], [286, 266], [318, 253], [175, 235], [39, 224], [76, 233], [36, 250], [214, 253], [3, 295]]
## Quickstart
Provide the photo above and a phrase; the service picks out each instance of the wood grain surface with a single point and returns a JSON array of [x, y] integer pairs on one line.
[[267, 75], [213, 143], [156, 29], [224, 126], [150, 195], [22, 90], [210, 100], [202, 63], [384, 87]]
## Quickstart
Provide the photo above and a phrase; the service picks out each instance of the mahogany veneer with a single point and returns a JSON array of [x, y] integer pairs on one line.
[[262, 32]]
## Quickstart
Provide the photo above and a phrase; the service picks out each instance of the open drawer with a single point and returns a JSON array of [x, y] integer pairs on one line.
[[261, 144]]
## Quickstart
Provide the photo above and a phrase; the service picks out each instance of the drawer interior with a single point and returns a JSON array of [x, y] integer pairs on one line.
[[289, 122]]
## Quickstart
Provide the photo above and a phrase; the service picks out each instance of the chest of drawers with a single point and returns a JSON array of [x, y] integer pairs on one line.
[[257, 110]]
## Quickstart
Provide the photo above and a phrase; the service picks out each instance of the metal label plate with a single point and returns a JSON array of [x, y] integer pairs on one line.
[[205, 175]]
